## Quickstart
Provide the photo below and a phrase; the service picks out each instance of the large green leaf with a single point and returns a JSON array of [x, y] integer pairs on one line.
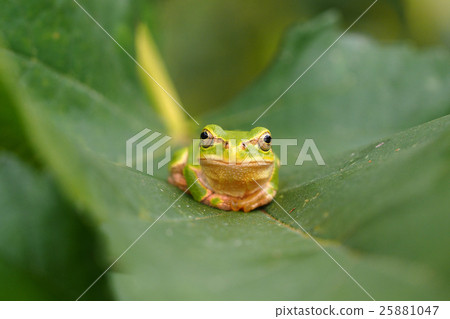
[[357, 92], [378, 210], [46, 252]]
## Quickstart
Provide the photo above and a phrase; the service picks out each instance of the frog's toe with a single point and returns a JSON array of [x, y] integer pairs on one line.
[[236, 205], [176, 177], [261, 199], [245, 204], [178, 180], [223, 206], [217, 201]]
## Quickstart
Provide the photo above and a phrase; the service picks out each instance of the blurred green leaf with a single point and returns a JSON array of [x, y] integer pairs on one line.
[[13, 135], [46, 252], [366, 214], [357, 92]]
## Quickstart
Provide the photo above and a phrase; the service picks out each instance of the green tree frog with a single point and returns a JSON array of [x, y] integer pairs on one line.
[[235, 170]]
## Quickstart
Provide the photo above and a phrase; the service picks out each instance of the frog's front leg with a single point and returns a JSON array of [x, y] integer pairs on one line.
[[198, 190], [261, 197]]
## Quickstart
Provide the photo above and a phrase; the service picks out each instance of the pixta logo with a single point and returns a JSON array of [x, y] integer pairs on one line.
[[308, 148], [140, 150], [141, 147]]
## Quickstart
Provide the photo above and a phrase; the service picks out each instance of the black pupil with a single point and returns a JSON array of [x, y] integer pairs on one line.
[[267, 139], [204, 135]]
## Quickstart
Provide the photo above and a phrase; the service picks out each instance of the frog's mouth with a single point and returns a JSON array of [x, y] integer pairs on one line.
[[215, 162]]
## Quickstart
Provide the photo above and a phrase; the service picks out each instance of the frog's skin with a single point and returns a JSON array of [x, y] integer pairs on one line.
[[227, 164]]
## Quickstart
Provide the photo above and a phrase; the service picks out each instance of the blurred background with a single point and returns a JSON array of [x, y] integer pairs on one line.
[[215, 48]]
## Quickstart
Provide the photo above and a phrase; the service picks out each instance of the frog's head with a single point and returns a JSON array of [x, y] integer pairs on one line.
[[236, 147], [231, 160]]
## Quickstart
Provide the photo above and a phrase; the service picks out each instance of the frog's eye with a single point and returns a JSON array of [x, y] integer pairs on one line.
[[264, 141], [206, 138]]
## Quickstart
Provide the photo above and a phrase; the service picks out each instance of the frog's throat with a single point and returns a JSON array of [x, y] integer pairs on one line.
[[238, 179]]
